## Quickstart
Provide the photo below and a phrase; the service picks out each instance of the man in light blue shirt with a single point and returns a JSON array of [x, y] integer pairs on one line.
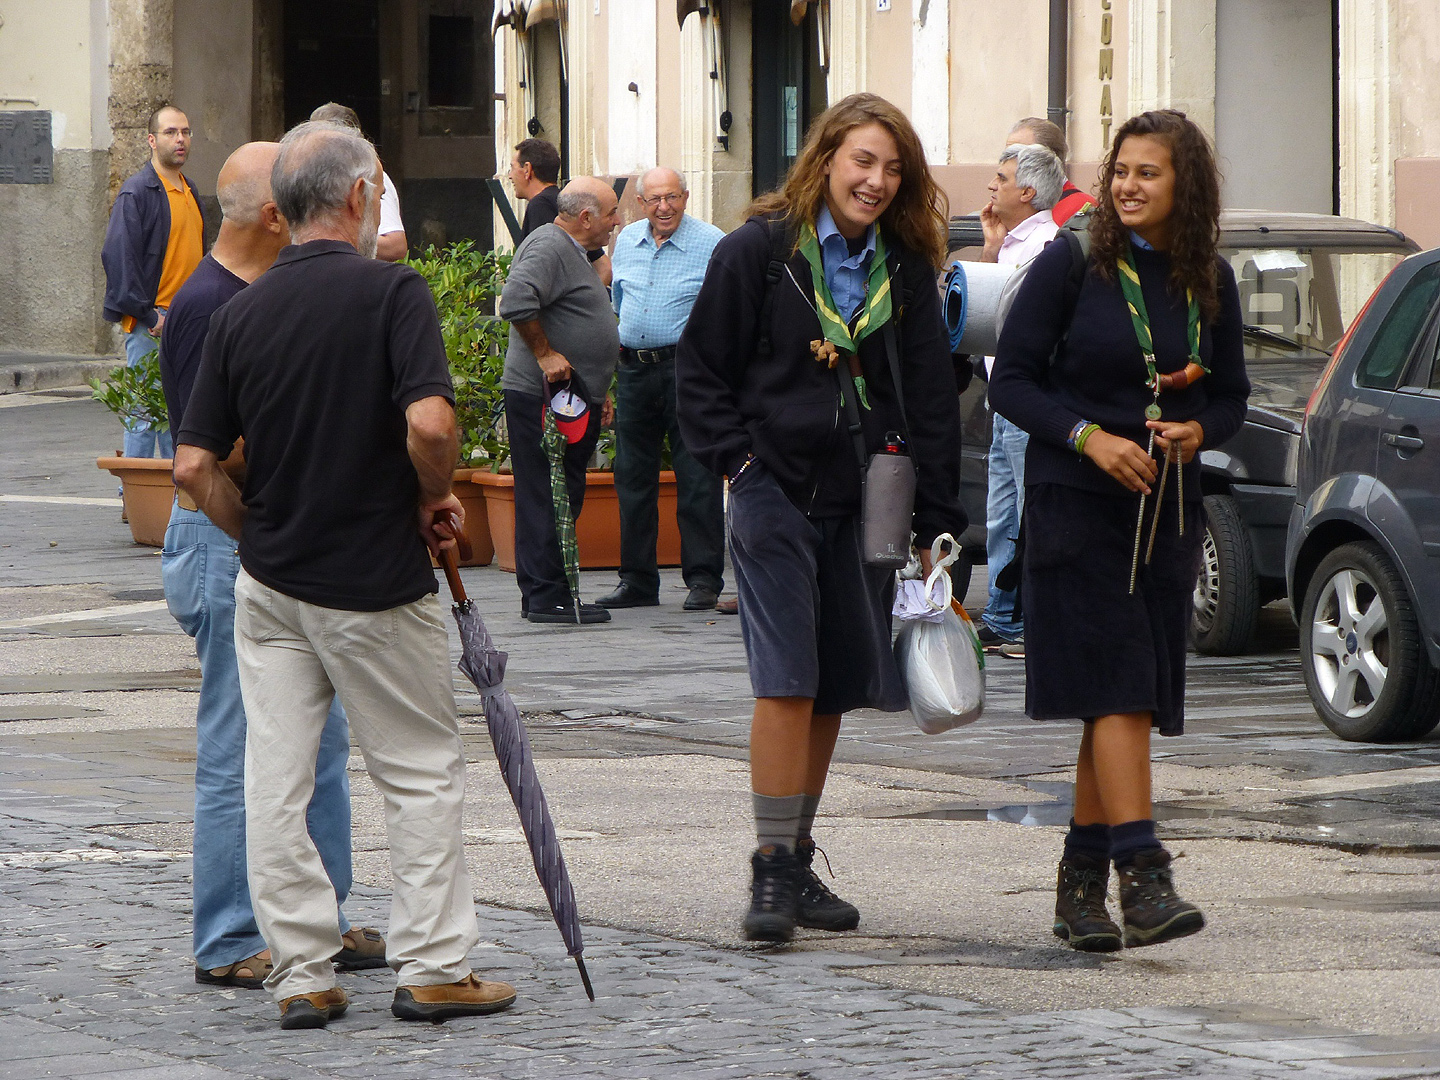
[[659, 264]]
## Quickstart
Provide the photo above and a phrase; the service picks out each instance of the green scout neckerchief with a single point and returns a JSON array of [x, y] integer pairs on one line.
[[1135, 301], [874, 312]]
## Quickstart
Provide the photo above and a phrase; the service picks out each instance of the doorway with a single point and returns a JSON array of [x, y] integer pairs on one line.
[[789, 89], [332, 53]]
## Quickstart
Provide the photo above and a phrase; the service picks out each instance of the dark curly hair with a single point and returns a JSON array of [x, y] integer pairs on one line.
[[918, 214], [1195, 228]]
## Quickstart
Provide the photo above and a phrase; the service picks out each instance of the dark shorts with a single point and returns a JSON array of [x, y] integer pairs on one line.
[[1092, 648], [815, 619]]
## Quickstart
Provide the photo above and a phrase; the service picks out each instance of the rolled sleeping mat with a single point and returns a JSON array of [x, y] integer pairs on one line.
[[971, 303]]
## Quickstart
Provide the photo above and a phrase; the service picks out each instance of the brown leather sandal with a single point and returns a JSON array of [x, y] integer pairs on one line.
[[364, 948], [248, 974]]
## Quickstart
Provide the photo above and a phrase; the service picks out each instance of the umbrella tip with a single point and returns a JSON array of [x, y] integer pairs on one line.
[[585, 977]]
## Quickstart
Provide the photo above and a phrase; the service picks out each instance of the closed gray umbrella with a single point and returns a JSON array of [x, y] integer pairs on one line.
[[484, 665]]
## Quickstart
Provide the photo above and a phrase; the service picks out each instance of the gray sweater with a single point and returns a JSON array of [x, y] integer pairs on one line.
[[551, 279]]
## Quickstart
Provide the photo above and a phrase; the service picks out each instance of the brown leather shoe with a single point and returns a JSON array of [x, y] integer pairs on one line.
[[313, 1010], [729, 607], [468, 997], [363, 948]]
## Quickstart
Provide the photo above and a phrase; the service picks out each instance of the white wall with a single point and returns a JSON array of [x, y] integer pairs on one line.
[[632, 114]]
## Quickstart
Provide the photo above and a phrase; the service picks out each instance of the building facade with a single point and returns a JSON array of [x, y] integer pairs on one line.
[[1319, 105]]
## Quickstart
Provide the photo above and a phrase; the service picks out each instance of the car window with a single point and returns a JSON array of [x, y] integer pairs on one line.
[[1383, 365]]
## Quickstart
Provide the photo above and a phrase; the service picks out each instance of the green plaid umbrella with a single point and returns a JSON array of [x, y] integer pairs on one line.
[[555, 445]]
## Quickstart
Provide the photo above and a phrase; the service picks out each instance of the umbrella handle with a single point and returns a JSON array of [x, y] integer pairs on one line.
[[450, 563]]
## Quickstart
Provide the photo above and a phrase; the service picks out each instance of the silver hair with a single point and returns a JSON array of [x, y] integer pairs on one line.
[[640, 180], [241, 200], [572, 202], [1037, 167], [318, 164]]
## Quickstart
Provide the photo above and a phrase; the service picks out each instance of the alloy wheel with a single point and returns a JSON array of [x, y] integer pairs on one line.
[[1350, 643], [1207, 585]]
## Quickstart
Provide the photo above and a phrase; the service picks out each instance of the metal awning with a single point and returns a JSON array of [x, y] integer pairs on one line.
[[686, 8]]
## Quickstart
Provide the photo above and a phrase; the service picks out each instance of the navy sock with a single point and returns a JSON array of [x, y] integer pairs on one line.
[[1088, 841], [1129, 838]]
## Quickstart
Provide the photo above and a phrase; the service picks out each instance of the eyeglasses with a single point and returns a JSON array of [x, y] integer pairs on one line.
[[669, 200], [173, 132]]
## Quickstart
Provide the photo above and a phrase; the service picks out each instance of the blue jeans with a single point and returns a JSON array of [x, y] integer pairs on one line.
[[199, 566], [141, 440], [1004, 504]]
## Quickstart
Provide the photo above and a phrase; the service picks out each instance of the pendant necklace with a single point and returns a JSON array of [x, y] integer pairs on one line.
[[1155, 383]]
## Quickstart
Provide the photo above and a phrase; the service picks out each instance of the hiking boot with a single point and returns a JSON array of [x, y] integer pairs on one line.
[[313, 1010], [772, 895], [1152, 911], [468, 997], [816, 907], [1080, 915]]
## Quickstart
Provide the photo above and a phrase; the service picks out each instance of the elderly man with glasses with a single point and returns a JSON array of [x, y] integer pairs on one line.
[[659, 264]]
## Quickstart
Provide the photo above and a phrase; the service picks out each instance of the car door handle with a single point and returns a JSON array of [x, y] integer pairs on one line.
[[1404, 442]]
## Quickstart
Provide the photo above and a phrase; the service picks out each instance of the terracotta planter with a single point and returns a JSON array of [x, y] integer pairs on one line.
[[477, 519], [598, 530], [148, 492]]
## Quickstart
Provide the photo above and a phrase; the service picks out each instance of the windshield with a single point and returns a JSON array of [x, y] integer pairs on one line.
[[1297, 302]]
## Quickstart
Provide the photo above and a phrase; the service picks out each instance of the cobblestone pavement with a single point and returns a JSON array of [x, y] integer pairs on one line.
[[96, 698]]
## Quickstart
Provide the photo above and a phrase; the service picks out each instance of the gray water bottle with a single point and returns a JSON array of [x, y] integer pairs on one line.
[[888, 505]]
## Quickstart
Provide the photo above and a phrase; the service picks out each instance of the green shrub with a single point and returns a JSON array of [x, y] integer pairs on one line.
[[134, 393]]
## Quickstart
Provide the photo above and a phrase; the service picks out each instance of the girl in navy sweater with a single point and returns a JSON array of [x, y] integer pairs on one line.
[[1119, 395]]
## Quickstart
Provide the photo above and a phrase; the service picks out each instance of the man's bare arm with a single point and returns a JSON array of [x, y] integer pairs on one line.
[[434, 446], [199, 475], [552, 365], [391, 246]]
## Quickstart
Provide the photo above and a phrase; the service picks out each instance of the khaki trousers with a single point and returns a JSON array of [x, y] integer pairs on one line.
[[391, 670]]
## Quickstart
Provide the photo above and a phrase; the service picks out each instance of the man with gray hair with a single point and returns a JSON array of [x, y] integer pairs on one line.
[[332, 367], [198, 567], [562, 333], [659, 265], [1018, 223]]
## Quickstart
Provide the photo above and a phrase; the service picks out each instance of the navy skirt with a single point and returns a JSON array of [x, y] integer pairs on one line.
[[1091, 647]]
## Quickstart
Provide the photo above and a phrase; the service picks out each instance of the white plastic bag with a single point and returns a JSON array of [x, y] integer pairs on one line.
[[938, 651]]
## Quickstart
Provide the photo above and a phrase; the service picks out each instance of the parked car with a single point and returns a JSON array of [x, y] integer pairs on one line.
[[1363, 545], [1302, 278]]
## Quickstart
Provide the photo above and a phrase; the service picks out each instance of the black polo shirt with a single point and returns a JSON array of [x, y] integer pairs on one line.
[[315, 364], [541, 210], [186, 324]]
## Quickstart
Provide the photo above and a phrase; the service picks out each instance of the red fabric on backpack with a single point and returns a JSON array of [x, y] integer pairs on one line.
[[1072, 201]]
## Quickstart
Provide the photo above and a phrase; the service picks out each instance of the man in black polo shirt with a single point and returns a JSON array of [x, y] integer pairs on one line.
[[332, 367]]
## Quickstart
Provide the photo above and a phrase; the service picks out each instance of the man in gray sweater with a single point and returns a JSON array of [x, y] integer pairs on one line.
[[561, 323]]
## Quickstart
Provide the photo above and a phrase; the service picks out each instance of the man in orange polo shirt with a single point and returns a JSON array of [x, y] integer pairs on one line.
[[155, 239]]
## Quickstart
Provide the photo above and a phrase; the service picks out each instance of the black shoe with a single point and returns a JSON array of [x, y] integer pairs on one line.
[[989, 639], [772, 896], [627, 595], [1148, 904], [565, 613], [816, 907], [1080, 915], [701, 599]]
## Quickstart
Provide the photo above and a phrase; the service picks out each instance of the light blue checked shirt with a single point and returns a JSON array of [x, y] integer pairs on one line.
[[653, 289], [846, 274]]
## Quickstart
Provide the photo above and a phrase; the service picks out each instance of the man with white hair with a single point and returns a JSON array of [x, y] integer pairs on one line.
[[659, 266], [198, 567], [1018, 223], [332, 367], [561, 322]]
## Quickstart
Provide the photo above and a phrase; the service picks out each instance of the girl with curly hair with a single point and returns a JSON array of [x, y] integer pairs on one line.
[[826, 288], [1120, 384]]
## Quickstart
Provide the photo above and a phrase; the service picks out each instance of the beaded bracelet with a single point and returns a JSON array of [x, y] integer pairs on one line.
[[1084, 437]]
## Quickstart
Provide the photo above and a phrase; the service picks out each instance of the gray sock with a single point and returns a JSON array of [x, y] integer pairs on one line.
[[807, 816], [777, 819]]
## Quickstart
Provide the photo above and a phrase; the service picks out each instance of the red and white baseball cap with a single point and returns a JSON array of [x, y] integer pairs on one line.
[[572, 411]]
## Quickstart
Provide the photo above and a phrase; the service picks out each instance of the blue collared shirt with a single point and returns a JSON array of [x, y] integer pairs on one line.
[[846, 274], [653, 289], [1140, 242]]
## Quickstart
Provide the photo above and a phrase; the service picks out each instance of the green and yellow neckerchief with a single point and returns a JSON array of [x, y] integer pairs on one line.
[[1135, 301], [874, 313]]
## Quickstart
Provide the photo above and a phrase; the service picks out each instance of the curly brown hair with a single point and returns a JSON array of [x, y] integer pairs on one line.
[[916, 217], [1195, 228]]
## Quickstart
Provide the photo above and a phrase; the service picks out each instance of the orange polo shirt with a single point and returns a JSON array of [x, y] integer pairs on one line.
[[183, 250]]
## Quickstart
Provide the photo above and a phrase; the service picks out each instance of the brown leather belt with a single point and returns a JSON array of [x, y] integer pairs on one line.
[[185, 501]]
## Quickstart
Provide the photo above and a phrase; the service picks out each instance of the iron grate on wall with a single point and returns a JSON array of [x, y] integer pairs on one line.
[[26, 156]]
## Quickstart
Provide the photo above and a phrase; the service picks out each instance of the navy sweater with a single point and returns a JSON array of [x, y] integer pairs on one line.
[[1099, 374], [785, 407]]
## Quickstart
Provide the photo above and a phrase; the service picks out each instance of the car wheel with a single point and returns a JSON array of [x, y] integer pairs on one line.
[[1227, 592], [1364, 662]]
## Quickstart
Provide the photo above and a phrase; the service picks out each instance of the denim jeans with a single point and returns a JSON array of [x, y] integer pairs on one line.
[[199, 566], [1004, 504], [644, 420], [141, 440]]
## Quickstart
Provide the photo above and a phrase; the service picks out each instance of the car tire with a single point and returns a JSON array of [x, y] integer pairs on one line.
[[1227, 592], [1365, 667]]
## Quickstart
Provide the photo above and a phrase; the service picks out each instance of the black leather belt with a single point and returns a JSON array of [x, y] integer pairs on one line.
[[648, 356]]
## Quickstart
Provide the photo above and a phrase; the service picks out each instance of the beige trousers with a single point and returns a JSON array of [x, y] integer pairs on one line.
[[391, 670]]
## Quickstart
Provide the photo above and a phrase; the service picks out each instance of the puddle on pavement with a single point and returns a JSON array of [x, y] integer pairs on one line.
[[1055, 811]]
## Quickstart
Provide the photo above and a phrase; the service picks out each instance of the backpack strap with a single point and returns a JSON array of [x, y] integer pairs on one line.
[[1077, 237], [780, 247]]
